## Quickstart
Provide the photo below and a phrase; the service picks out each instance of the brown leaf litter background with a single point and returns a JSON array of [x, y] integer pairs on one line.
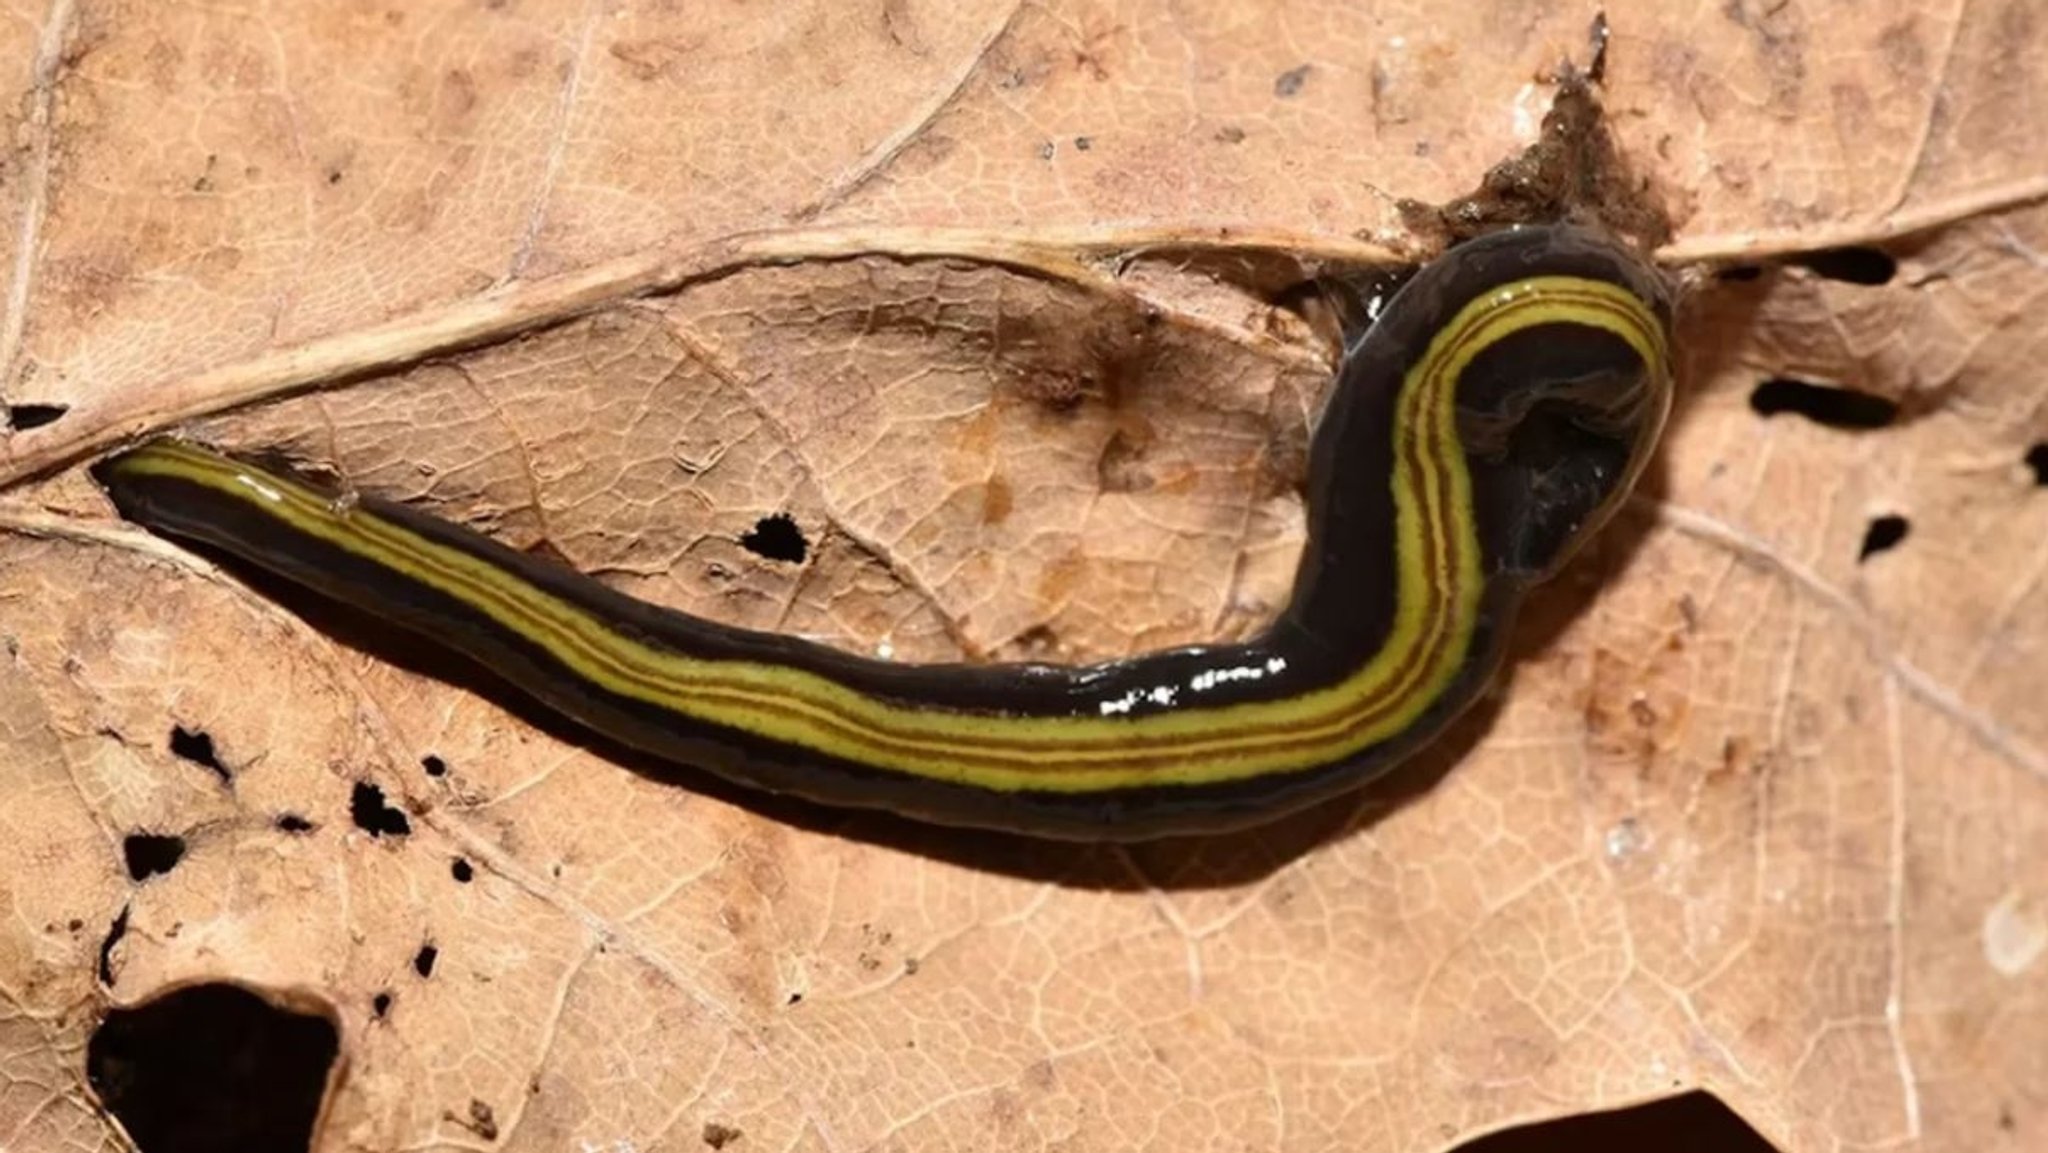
[[968, 291]]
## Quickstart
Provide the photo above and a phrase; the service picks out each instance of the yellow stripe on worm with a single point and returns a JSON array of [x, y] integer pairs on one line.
[[1443, 483]]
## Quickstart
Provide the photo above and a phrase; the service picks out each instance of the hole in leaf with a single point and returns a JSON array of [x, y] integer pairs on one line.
[[1854, 265], [293, 823], [27, 416], [212, 1067], [1823, 404], [380, 1004], [148, 854], [367, 808], [776, 537], [1884, 533], [717, 1134], [434, 766], [423, 961], [115, 932], [462, 871], [196, 746], [2037, 460], [1692, 1123]]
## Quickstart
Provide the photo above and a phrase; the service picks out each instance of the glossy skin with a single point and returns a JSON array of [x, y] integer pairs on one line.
[[1477, 434]]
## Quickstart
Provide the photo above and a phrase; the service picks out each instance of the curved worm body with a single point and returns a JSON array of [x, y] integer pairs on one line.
[[1478, 433]]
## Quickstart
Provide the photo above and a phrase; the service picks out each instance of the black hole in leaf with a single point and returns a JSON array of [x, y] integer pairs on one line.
[[423, 961], [293, 823], [380, 1004], [367, 809], [435, 766], [1851, 265], [461, 871], [1885, 532], [115, 932], [27, 416], [148, 854], [1741, 272], [2037, 460], [212, 1067], [1823, 404], [196, 745], [1692, 1123], [776, 537]]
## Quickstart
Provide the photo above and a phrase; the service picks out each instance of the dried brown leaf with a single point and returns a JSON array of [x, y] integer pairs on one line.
[[977, 295]]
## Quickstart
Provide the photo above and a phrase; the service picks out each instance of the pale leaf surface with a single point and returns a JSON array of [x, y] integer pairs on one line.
[[975, 294]]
